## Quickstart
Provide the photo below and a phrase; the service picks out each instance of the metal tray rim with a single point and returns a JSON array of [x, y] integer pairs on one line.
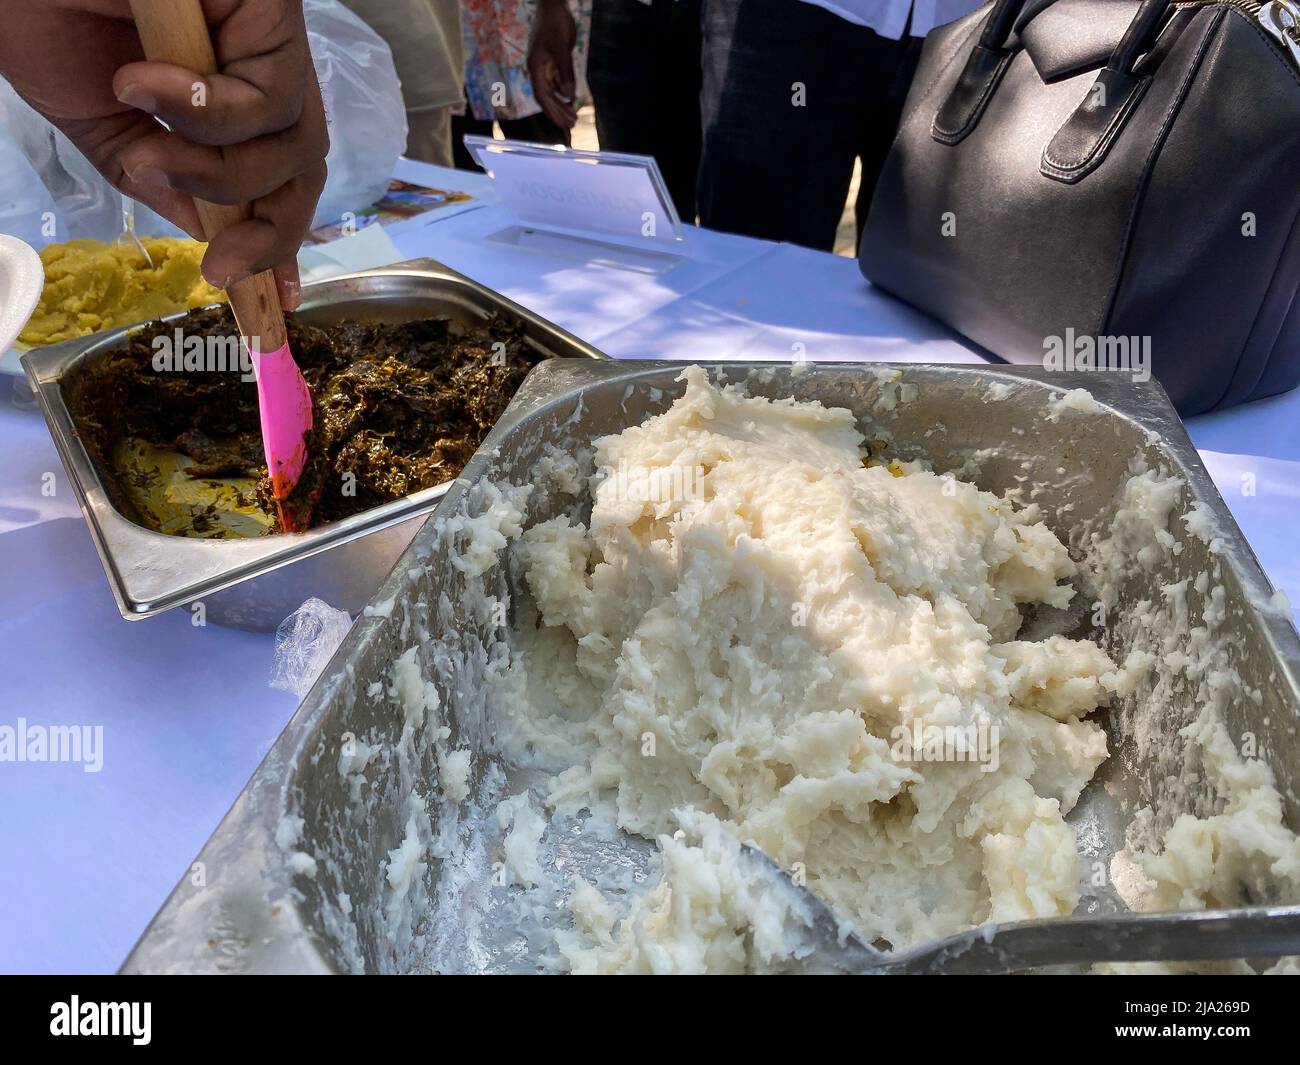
[[125, 548], [253, 817]]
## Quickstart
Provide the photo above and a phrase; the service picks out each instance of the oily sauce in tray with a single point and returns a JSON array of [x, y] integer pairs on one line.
[[397, 409]]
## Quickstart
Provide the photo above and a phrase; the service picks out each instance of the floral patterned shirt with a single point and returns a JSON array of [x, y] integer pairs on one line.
[[496, 34]]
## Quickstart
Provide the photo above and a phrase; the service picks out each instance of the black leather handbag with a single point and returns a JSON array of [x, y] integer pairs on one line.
[[1085, 183]]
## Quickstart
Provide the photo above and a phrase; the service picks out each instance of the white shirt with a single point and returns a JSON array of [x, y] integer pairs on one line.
[[889, 17]]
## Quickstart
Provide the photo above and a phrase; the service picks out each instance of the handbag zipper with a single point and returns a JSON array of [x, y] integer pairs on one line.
[[1280, 19]]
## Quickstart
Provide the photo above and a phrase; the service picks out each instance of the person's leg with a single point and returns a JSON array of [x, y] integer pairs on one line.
[[461, 125], [538, 129], [783, 91], [880, 123], [620, 67], [678, 135], [429, 135], [644, 73]]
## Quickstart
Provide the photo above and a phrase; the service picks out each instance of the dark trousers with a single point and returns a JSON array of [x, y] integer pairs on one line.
[[644, 73], [536, 128], [792, 95]]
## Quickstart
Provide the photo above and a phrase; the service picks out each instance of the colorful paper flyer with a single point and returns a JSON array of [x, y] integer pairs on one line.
[[402, 202]]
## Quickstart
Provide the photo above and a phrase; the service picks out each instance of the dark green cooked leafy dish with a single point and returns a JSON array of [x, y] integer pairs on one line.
[[397, 409]]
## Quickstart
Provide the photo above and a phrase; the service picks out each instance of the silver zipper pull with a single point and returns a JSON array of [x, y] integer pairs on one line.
[[1281, 18]]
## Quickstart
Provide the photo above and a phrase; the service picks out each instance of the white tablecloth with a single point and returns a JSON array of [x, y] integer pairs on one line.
[[187, 714]]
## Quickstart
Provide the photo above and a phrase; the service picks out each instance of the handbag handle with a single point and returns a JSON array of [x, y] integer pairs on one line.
[[1139, 37], [988, 61], [1000, 23], [1084, 139]]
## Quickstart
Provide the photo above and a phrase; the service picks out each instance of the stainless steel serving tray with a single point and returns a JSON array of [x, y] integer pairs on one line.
[[256, 583], [259, 910]]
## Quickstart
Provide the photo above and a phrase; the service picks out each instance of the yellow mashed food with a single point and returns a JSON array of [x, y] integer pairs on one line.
[[91, 287]]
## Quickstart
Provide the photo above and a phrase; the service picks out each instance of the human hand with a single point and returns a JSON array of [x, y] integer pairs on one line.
[[550, 62], [254, 133]]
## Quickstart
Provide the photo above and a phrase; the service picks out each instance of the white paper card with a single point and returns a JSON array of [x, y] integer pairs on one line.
[[580, 192]]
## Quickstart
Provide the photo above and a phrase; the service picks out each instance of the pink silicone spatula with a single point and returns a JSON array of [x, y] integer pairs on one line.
[[175, 31]]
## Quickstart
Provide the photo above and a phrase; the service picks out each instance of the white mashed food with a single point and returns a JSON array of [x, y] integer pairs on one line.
[[760, 638], [522, 864], [1077, 399]]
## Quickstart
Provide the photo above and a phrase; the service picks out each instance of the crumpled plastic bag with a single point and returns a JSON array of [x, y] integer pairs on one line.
[[363, 102], [83, 204], [25, 204], [304, 643]]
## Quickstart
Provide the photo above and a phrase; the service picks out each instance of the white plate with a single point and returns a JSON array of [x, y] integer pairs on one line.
[[21, 279]]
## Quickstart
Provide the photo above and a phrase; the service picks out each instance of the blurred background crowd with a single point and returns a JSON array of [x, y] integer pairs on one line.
[[769, 118]]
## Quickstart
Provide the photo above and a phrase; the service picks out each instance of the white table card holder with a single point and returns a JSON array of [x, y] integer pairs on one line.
[[598, 208]]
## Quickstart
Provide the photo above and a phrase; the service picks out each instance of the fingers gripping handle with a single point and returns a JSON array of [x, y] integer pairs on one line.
[[176, 31]]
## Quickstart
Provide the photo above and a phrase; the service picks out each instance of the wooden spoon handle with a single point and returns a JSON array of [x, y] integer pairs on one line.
[[176, 31]]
